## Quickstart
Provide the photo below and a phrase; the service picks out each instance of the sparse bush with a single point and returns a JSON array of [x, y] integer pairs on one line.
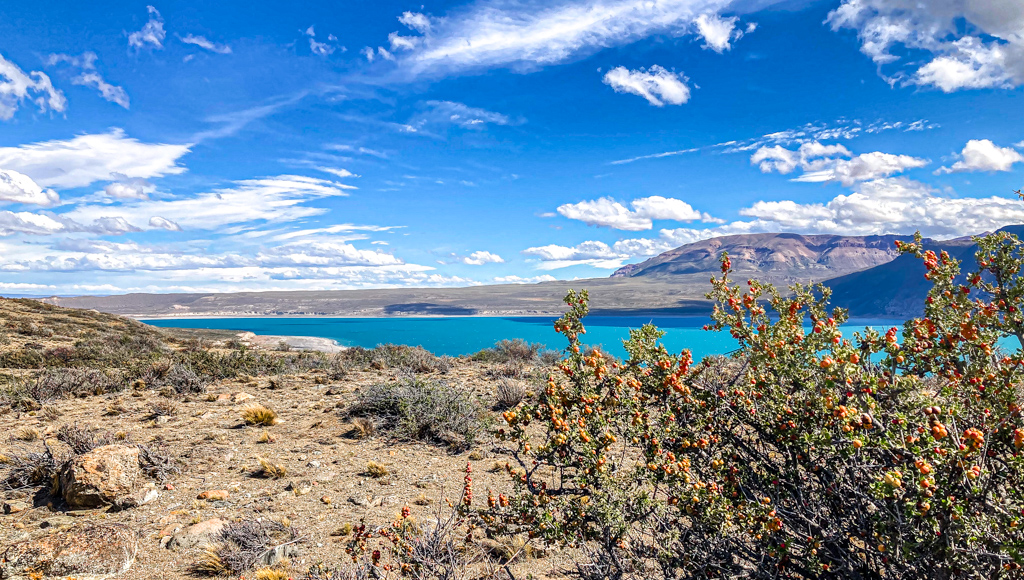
[[30, 469], [270, 470], [184, 380], [808, 455], [508, 393], [243, 545], [53, 384], [412, 359], [23, 358], [510, 351], [27, 434], [82, 440], [259, 415], [162, 409], [509, 370], [377, 470], [363, 427], [416, 409]]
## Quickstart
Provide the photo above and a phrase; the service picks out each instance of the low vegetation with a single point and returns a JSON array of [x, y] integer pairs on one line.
[[424, 410]]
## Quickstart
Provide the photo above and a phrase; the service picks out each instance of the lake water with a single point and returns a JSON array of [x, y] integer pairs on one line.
[[465, 335]]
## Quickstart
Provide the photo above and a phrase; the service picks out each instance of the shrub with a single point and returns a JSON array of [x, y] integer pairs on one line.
[[270, 470], [183, 379], [412, 359], [243, 545], [809, 455], [30, 469], [376, 470], [508, 393], [416, 409], [52, 384], [259, 415], [510, 351]]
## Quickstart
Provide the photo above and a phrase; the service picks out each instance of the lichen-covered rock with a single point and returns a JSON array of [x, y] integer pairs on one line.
[[85, 552], [107, 475]]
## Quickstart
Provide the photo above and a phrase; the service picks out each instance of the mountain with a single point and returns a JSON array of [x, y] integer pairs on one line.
[[777, 258], [898, 288]]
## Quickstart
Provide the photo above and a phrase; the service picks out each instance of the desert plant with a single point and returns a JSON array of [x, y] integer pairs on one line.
[[416, 409], [259, 415], [362, 427], [376, 470], [30, 469], [508, 393], [510, 351], [269, 470], [807, 455]]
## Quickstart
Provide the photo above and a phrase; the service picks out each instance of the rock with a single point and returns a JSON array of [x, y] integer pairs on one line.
[[314, 464], [215, 495], [14, 506], [93, 551], [301, 488], [162, 420], [196, 534], [107, 475], [57, 522], [241, 397], [359, 501]]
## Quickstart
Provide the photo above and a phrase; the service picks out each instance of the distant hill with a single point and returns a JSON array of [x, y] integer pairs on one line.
[[778, 258], [898, 288]]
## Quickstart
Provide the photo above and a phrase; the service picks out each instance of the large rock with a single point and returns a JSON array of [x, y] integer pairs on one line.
[[107, 475], [196, 534], [84, 552]]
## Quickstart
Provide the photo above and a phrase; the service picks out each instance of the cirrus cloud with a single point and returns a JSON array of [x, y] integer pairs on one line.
[[655, 84]]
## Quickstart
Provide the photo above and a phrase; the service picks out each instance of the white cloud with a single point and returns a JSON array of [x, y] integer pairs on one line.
[[161, 223], [589, 253], [16, 86], [443, 113], [19, 188], [89, 77], [415, 21], [891, 205], [973, 45], [270, 199], [338, 173], [481, 257], [655, 84], [323, 254], [525, 36], [29, 223], [718, 32], [129, 188], [152, 32], [203, 42], [521, 280], [86, 159], [24, 287], [821, 163], [607, 212], [984, 155]]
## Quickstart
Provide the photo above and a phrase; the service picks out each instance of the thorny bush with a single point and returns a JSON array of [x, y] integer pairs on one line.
[[891, 455]]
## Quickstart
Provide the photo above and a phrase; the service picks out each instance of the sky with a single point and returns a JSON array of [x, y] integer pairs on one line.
[[226, 146]]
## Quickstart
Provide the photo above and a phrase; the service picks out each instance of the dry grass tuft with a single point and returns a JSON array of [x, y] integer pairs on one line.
[[259, 415], [376, 470], [270, 470], [362, 428], [26, 434], [271, 574], [508, 394], [266, 437]]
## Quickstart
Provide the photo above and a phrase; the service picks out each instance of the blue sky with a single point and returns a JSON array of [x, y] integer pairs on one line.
[[326, 145]]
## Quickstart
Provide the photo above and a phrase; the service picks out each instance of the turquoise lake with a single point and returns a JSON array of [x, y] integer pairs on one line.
[[465, 335]]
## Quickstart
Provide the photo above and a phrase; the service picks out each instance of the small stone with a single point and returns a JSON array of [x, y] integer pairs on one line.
[[215, 495], [313, 464], [223, 397], [241, 397], [359, 501], [14, 506], [162, 420], [196, 534], [326, 499], [169, 487]]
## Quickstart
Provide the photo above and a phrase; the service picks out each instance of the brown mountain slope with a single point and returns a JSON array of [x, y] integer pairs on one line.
[[777, 258]]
